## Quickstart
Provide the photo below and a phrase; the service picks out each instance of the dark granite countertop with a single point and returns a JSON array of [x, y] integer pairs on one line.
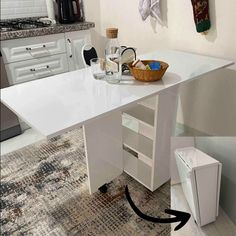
[[54, 29]]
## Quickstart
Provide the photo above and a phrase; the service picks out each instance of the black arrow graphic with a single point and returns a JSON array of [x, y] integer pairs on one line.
[[183, 217]]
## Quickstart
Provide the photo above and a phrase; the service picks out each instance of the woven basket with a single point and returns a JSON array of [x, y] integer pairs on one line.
[[148, 75]]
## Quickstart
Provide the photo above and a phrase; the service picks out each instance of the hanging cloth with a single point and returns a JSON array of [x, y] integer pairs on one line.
[[150, 8], [201, 15]]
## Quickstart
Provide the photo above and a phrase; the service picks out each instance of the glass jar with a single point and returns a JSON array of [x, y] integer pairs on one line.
[[113, 57]]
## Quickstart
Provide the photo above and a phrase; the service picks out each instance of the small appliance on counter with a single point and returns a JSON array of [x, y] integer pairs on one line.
[[70, 11]]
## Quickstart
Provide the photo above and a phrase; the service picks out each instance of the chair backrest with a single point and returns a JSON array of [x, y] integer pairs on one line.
[[88, 52]]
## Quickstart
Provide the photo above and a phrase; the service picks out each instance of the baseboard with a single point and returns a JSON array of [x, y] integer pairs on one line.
[[23, 125], [184, 131], [174, 182]]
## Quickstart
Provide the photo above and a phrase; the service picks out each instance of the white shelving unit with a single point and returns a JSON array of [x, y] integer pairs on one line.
[[150, 102], [138, 140], [142, 159]]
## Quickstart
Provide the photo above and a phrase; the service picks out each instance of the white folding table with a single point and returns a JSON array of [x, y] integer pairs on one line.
[[60, 103]]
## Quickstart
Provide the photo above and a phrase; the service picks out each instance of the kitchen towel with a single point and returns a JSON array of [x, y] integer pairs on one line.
[[201, 15], [150, 8], [51, 10]]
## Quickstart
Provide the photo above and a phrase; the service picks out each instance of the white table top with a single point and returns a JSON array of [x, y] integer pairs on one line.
[[60, 103]]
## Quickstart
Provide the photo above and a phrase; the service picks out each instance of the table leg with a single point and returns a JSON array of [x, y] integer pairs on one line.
[[103, 145], [165, 122]]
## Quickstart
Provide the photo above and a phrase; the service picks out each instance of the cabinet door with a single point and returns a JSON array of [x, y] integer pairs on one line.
[[75, 41], [24, 71]]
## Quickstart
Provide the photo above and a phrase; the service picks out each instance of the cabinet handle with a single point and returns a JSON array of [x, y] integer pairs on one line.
[[70, 50], [132, 152], [40, 68], [29, 48]]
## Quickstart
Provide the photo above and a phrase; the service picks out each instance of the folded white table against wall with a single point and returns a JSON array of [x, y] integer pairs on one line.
[[200, 177]]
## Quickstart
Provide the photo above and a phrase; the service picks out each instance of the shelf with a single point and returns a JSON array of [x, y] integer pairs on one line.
[[140, 144], [138, 127], [150, 103], [142, 114], [130, 123], [137, 169]]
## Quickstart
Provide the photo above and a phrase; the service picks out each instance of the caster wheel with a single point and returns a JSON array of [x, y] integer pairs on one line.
[[103, 188]]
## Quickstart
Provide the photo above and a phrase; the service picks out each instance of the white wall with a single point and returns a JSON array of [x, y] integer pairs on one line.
[[22, 8], [178, 29], [146, 36], [208, 105], [218, 42], [92, 11]]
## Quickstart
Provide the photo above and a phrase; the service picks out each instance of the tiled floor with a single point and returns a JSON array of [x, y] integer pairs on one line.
[[222, 227], [29, 136]]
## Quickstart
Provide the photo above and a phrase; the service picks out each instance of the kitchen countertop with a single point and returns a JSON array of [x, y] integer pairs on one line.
[[54, 29]]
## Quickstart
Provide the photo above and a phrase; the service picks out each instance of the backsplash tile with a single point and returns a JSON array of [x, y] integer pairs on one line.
[[22, 8]]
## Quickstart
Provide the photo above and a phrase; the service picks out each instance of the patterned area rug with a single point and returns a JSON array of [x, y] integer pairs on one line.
[[44, 192]]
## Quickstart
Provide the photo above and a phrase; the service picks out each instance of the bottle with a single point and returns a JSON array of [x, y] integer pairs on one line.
[[113, 57]]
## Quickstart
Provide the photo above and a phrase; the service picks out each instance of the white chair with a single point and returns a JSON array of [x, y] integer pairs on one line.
[[88, 52]]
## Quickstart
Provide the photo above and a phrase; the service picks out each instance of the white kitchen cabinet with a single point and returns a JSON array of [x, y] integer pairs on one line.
[[30, 48], [23, 71], [38, 57], [200, 177], [138, 145], [74, 42]]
